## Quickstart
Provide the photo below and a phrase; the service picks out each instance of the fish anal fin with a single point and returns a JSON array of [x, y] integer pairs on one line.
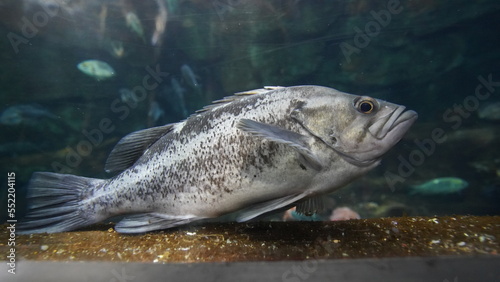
[[131, 147], [145, 222], [280, 135]]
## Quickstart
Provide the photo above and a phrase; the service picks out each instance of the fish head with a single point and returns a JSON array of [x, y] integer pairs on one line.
[[87, 67], [359, 128]]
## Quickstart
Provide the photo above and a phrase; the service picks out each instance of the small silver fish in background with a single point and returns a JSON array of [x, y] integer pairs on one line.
[[160, 23], [115, 48], [443, 185], [490, 112], [174, 97], [251, 153], [127, 96], [30, 113], [179, 95], [155, 112], [189, 77], [134, 23], [97, 69]]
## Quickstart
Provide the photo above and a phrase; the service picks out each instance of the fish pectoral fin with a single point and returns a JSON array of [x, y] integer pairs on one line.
[[310, 206], [277, 134], [145, 222], [131, 147], [265, 207]]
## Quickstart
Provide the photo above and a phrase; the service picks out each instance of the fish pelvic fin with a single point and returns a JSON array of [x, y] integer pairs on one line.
[[268, 206], [56, 203], [311, 206], [144, 222]]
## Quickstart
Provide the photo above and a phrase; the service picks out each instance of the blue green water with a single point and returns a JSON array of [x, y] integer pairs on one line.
[[439, 58]]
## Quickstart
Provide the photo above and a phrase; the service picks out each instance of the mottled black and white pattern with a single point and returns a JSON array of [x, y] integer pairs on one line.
[[258, 151]]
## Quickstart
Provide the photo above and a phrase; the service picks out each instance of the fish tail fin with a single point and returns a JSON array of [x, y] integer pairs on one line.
[[56, 203]]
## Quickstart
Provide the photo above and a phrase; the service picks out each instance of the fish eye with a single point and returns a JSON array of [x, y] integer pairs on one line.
[[365, 105]]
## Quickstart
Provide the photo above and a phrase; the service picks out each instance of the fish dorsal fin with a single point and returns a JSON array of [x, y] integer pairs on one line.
[[311, 206], [237, 96], [131, 147]]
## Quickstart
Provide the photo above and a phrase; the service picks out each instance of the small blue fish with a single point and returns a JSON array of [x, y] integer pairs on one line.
[[189, 77], [155, 112], [127, 96], [440, 186]]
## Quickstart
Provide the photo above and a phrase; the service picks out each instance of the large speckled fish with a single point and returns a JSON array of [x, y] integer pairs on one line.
[[254, 152]]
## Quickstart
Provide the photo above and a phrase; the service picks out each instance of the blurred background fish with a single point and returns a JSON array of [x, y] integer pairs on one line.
[[28, 113], [155, 113], [127, 96], [343, 213], [443, 186], [179, 96], [127, 29], [292, 215], [97, 69], [189, 77], [490, 111], [134, 24]]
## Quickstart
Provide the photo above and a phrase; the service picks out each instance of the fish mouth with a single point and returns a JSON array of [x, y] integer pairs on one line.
[[386, 132], [394, 124]]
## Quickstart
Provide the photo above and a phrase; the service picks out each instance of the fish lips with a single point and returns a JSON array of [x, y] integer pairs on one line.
[[393, 126], [386, 132]]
